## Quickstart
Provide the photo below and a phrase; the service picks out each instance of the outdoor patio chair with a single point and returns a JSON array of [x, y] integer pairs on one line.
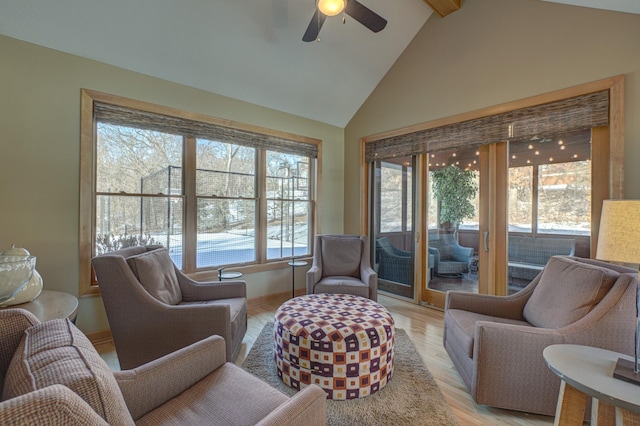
[[393, 264], [450, 258]]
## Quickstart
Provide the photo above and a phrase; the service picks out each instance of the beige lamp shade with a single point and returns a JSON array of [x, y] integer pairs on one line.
[[619, 235]]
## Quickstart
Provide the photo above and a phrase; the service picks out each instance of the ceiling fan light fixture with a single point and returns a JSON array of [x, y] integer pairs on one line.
[[331, 7]]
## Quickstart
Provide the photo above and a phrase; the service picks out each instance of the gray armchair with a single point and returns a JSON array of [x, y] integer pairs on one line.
[[450, 258], [341, 264], [50, 374], [496, 342], [154, 309], [393, 264]]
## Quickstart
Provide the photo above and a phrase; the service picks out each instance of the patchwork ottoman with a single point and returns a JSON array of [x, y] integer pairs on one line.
[[340, 342]]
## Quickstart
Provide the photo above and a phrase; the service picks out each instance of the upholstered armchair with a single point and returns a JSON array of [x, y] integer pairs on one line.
[[154, 309], [51, 374], [393, 264], [341, 265], [450, 258], [496, 342]]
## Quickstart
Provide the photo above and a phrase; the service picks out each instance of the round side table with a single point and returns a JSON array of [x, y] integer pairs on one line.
[[588, 372], [51, 305], [294, 264]]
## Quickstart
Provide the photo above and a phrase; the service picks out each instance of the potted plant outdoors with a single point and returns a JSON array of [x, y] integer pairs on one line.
[[454, 188]]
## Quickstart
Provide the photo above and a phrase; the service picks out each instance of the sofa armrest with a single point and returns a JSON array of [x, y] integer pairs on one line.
[[461, 254], [369, 275], [314, 274], [306, 408], [55, 404], [436, 256], [169, 375], [13, 323], [194, 291], [497, 306], [504, 355]]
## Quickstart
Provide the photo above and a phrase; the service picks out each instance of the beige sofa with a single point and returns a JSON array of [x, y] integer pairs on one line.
[[496, 343], [52, 375]]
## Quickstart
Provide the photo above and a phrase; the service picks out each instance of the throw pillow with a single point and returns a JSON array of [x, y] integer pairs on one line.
[[567, 291], [154, 269], [341, 256]]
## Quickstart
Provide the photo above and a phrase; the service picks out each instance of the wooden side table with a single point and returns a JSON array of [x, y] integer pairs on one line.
[[588, 372], [51, 305]]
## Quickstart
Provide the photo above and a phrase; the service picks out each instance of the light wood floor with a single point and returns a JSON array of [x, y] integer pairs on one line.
[[424, 327]]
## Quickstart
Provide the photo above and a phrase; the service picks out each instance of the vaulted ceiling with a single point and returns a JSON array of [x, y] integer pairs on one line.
[[251, 50]]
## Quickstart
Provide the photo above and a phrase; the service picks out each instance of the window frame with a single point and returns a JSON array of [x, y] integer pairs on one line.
[[87, 206]]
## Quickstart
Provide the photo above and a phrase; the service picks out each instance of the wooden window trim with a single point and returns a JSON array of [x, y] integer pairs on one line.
[[88, 284]]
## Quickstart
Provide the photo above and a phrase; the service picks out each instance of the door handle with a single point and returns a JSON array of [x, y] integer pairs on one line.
[[485, 235]]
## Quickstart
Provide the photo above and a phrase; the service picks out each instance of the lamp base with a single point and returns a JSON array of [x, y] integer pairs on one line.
[[625, 371]]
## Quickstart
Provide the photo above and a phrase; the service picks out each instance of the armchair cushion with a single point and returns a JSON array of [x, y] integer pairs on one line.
[[154, 269], [341, 256], [56, 352], [583, 286], [209, 401]]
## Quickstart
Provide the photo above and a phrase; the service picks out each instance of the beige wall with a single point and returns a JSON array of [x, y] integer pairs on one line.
[[39, 157], [495, 51]]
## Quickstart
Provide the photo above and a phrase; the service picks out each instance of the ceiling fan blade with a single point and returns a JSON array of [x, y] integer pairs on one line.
[[365, 16], [314, 26]]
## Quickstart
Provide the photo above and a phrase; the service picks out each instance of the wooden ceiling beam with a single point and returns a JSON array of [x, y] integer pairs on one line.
[[443, 7]]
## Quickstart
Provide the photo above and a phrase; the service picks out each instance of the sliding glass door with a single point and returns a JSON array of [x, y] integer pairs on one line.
[[453, 184], [392, 225], [537, 170]]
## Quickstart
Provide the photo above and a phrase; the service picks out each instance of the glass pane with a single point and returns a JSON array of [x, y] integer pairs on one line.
[[288, 208], [391, 198], [125, 221], [453, 219], [137, 161], [409, 224], [392, 229], [473, 220], [225, 170], [549, 202], [288, 228], [432, 207], [564, 200], [226, 232], [520, 199]]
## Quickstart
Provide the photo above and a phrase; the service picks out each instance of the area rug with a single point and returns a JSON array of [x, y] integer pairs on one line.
[[411, 397]]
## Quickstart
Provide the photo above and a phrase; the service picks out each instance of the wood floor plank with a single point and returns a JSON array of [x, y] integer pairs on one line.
[[424, 326]]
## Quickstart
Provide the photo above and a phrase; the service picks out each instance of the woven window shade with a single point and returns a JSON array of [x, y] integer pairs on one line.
[[123, 116], [567, 115]]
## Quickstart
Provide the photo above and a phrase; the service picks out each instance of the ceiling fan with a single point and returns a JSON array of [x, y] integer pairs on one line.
[[353, 8]]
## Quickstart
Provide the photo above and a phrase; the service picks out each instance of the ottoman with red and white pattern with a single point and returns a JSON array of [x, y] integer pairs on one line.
[[340, 342]]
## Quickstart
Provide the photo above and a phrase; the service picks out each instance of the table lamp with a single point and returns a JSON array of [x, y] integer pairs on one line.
[[619, 241]]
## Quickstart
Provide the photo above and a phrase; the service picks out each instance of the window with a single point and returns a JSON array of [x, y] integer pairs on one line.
[[227, 204], [550, 185], [288, 205], [213, 194]]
